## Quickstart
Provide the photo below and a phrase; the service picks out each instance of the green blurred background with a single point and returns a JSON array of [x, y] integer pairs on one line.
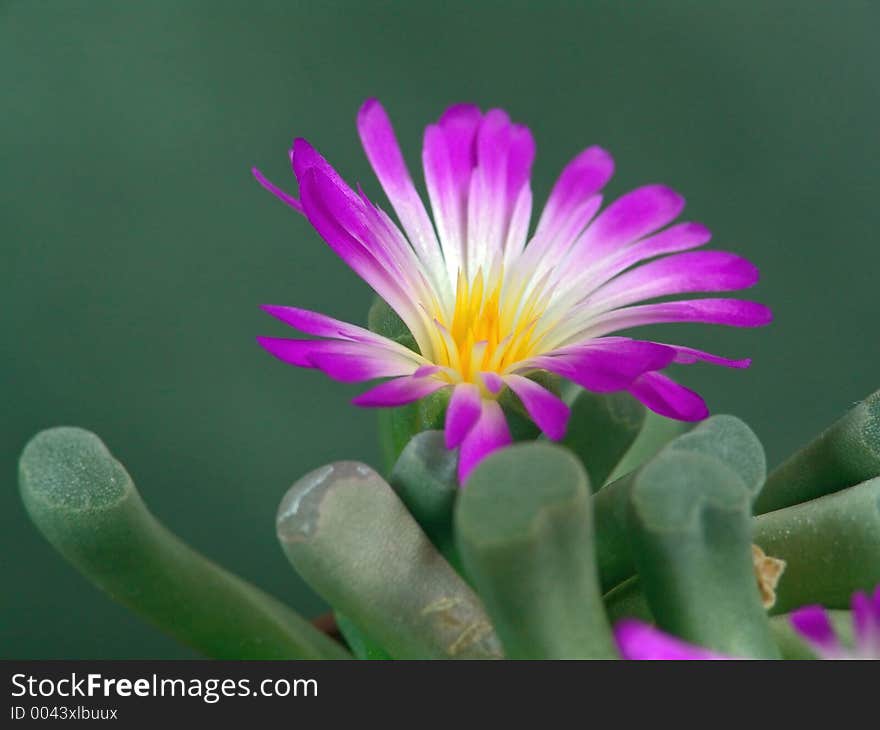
[[136, 246]]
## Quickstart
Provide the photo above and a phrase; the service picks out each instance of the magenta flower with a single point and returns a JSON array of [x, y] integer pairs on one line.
[[488, 303], [638, 640]]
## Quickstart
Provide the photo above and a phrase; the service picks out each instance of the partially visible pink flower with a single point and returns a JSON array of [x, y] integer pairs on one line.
[[814, 625], [487, 301], [638, 640]]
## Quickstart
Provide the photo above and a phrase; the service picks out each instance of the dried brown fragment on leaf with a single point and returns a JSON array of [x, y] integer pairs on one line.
[[768, 570]]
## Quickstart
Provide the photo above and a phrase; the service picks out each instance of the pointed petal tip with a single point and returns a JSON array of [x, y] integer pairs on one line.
[[276, 191], [276, 346]]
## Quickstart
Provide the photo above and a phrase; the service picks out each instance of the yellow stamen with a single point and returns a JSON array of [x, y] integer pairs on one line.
[[490, 330]]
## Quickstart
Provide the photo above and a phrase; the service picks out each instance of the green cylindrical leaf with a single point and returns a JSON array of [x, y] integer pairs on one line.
[[383, 320], [524, 531], [847, 453], [601, 430], [721, 437], [87, 506], [691, 533], [831, 546], [349, 535], [656, 432], [627, 601], [398, 425], [425, 479], [361, 645]]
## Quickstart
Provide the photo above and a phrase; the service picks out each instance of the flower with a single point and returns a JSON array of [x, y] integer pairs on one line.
[[638, 640], [487, 303]]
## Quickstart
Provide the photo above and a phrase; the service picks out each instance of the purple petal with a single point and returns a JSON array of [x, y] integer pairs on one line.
[[464, 409], [548, 411], [448, 156], [688, 356], [424, 371], [547, 248], [680, 237], [666, 397], [493, 382], [731, 312], [380, 144], [488, 434], [320, 325], [698, 271], [348, 224], [866, 624], [399, 391], [518, 226], [605, 365], [339, 220], [505, 152], [579, 181], [304, 157], [814, 625], [346, 361], [276, 191], [637, 640], [629, 218], [293, 352]]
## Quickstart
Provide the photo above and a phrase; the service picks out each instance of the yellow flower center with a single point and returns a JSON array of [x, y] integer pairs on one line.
[[491, 328]]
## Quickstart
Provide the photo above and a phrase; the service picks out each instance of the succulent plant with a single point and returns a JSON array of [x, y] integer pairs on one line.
[[484, 540], [547, 546]]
